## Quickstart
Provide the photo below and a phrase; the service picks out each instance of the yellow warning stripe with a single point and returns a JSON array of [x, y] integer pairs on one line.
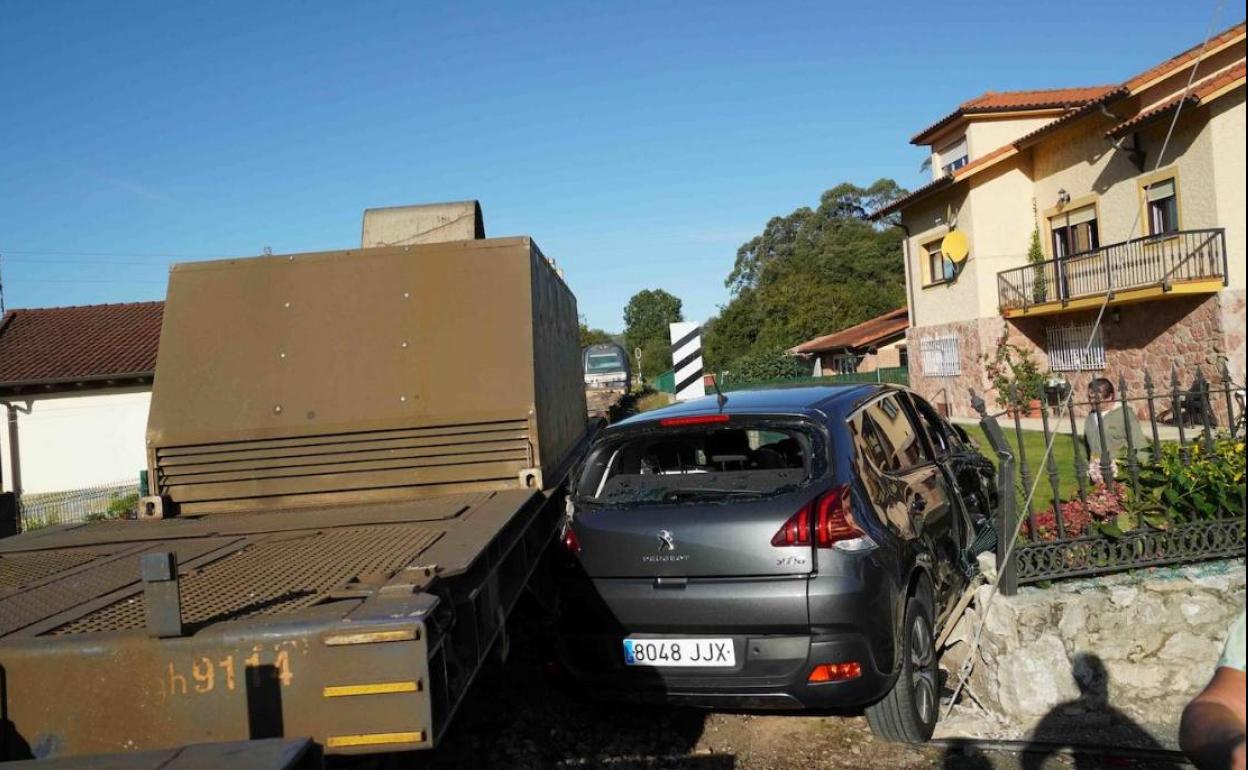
[[370, 637], [379, 688], [373, 739]]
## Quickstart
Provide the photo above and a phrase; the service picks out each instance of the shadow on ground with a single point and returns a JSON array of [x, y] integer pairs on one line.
[[520, 714], [1086, 733]]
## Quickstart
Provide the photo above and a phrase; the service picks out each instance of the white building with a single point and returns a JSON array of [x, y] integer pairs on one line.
[[75, 384]]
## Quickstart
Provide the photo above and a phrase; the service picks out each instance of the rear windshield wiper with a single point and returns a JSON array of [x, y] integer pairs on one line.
[[694, 492]]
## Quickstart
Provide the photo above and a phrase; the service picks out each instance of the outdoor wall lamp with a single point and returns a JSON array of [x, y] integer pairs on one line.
[[1063, 197]]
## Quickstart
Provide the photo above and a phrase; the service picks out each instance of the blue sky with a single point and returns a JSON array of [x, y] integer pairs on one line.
[[639, 143]]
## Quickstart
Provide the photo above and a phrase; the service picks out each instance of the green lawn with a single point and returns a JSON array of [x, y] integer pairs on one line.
[[1033, 446]]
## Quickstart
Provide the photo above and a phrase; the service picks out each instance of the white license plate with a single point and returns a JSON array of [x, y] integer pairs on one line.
[[706, 653]]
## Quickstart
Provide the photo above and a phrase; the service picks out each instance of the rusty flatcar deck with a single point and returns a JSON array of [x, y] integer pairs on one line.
[[360, 626], [86, 578]]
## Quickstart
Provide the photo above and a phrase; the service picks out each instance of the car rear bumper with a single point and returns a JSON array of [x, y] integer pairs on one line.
[[780, 630], [771, 672]]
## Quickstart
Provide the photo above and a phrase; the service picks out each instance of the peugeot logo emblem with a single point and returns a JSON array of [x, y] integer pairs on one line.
[[666, 540]]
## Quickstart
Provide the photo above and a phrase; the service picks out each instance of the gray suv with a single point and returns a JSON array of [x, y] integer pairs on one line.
[[783, 549]]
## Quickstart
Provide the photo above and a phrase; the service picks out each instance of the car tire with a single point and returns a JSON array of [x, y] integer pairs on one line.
[[908, 713]]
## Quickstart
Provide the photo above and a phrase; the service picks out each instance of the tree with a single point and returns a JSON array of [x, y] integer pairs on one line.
[[731, 334], [590, 336], [646, 318], [804, 229], [812, 272]]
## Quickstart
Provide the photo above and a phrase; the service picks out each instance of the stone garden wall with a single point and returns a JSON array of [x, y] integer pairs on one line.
[[1110, 659]]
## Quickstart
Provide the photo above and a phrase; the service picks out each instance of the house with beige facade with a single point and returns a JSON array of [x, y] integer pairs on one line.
[[1155, 239]]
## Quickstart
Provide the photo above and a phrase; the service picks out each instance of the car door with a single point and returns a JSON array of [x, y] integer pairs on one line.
[[964, 469], [907, 487]]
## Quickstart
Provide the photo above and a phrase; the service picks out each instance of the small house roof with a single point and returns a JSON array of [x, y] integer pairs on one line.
[[63, 345], [873, 332]]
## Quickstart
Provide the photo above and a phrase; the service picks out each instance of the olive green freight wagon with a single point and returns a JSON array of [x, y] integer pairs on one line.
[[379, 374], [356, 463]]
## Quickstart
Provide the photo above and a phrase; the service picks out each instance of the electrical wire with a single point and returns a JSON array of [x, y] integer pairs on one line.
[[84, 262], [127, 281], [168, 255]]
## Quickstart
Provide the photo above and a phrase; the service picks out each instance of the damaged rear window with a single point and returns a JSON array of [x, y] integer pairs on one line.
[[688, 464]]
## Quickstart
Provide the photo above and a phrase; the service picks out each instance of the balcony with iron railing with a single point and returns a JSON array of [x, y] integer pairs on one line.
[[1176, 263]]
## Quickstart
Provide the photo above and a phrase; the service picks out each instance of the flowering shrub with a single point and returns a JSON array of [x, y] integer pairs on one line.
[[1106, 505], [1200, 482]]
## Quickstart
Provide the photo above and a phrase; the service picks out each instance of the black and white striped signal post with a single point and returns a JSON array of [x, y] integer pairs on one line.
[[687, 360]]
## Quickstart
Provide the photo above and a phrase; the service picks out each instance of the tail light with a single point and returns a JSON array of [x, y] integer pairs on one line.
[[570, 542], [699, 419], [796, 531], [835, 672], [833, 524]]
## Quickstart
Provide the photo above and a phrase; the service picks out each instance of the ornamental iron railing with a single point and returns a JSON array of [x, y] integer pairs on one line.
[[1167, 489], [1154, 260], [102, 501]]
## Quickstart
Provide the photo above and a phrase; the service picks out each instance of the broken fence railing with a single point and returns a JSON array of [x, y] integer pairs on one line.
[[1112, 512]]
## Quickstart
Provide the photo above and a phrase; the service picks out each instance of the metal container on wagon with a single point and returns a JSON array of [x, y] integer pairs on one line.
[[365, 375]]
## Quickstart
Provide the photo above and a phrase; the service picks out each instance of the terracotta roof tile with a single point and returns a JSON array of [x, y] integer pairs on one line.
[[1200, 91], [1017, 101], [1070, 98], [1175, 62], [913, 195], [65, 344], [864, 334], [1035, 100], [1070, 116], [1079, 102], [1148, 116]]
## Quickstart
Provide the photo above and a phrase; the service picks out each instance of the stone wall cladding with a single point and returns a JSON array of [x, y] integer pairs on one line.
[[1183, 333], [1158, 336], [1233, 333], [953, 392], [1098, 653]]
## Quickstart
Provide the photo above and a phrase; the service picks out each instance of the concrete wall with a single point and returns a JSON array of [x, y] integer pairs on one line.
[[1002, 201], [80, 440], [987, 134], [937, 302], [1226, 126], [1080, 161]]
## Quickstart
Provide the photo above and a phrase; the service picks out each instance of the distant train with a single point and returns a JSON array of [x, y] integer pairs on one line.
[[606, 367]]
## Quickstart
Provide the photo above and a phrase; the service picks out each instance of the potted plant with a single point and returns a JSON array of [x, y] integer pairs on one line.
[[1014, 370]]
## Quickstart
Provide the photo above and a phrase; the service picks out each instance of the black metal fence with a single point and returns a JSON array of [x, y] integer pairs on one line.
[[1151, 478], [1154, 260]]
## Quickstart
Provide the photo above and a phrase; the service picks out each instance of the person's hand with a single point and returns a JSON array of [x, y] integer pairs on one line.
[[1237, 757]]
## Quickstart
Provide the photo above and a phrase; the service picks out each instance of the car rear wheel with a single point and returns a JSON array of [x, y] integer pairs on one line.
[[908, 713]]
